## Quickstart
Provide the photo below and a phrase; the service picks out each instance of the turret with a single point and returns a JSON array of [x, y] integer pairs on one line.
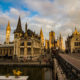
[[25, 30], [75, 32], [25, 27]]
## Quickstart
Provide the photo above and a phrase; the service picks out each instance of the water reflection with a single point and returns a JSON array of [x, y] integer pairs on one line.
[[33, 73]]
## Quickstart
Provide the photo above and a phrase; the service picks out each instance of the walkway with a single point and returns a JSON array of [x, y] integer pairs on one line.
[[73, 61]]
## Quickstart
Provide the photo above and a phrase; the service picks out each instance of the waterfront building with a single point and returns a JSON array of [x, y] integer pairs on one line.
[[6, 50], [73, 42], [26, 44]]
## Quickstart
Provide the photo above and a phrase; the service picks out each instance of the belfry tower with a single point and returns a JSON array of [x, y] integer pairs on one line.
[[8, 30], [61, 42], [42, 37]]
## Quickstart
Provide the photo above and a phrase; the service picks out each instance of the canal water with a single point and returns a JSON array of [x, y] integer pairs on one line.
[[32, 72]]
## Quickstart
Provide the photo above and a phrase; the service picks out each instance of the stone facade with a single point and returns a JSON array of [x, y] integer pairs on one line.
[[73, 42], [54, 43], [26, 43], [6, 50]]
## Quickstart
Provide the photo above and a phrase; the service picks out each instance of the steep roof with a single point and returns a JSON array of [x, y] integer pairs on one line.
[[19, 27]]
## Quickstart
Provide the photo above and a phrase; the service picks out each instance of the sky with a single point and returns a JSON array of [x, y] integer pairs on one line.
[[61, 16]]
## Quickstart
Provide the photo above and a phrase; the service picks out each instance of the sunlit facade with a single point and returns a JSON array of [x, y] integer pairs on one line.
[[73, 42], [51, 39], [46, 44], [25, 44]]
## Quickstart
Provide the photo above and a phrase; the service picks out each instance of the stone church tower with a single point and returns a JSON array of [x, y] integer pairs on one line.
[[18, 33], [51, 39], [42, 37], [8, 30], [61, 47]]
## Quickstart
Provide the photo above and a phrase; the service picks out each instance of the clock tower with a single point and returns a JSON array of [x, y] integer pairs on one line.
[[8, 30]]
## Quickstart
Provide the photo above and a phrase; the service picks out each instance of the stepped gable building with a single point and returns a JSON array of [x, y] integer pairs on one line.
[[73, 42], [26, 44]]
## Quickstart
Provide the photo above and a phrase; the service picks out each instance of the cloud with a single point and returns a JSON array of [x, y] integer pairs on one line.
[[57, 15], [21, 13], [12, 16]]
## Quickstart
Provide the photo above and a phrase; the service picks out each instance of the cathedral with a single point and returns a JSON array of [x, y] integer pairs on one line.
[[26, 44]]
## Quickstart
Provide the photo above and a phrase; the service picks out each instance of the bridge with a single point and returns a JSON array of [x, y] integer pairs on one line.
[[70, 66], [63, 66]]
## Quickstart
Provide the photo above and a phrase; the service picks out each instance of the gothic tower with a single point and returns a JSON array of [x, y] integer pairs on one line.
[[61, 42], [18, 32], [8, 30], [42, 37], [51, 39]]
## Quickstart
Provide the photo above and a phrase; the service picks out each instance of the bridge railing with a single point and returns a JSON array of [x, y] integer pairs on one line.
[[71, 72]]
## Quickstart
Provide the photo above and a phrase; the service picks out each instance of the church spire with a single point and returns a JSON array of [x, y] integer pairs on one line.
[[8, 23], [19, 27], [8, 26], [60, 36], [8, 30], [42, 37], [75, 32], [26, 27]]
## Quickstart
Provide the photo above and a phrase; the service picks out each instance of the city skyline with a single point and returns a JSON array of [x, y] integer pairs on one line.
[[61, 17]]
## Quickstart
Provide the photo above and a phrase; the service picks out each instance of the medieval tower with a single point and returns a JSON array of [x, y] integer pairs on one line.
[[51, 39], [42, 37], [8, 30]]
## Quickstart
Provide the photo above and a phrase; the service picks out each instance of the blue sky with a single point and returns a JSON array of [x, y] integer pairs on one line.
[[5, 6], [60, 16]]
